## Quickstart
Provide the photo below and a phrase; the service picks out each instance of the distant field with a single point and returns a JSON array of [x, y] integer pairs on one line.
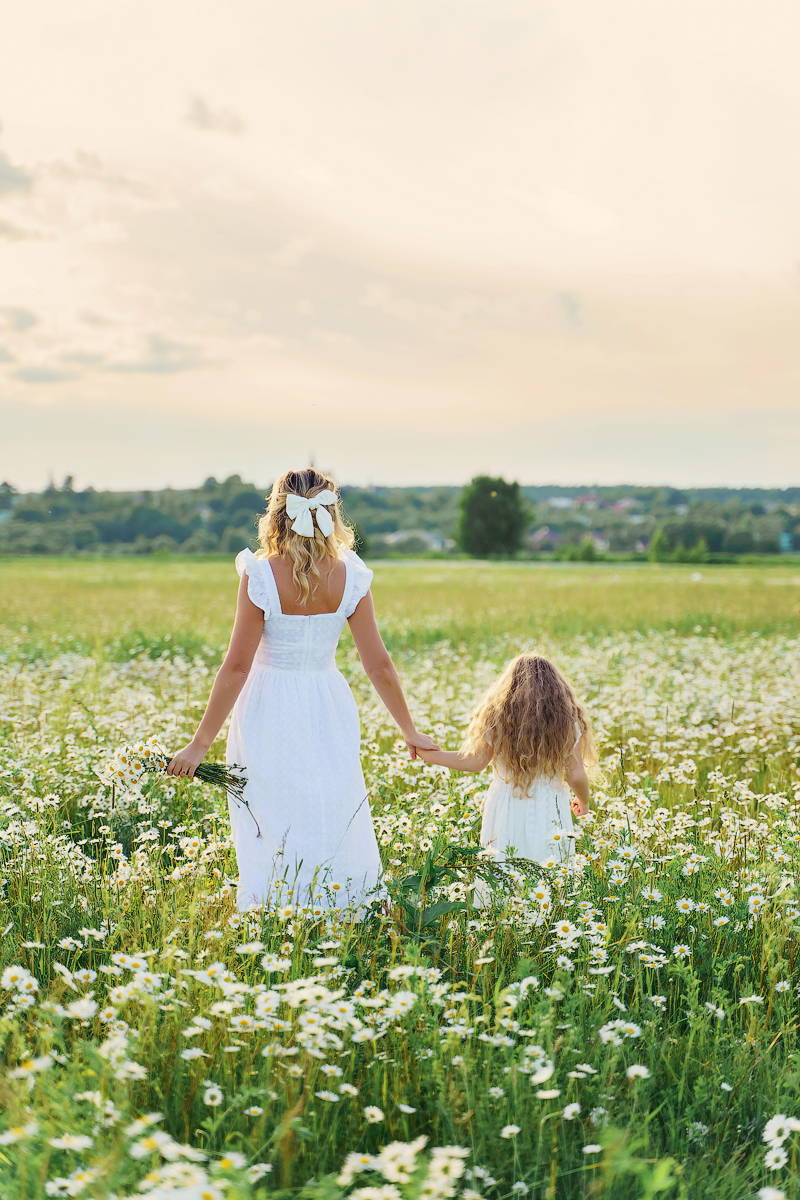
[[98, 602]]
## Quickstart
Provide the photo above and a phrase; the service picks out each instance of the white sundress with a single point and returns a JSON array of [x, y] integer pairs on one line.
[[295, 728], [537, 824]]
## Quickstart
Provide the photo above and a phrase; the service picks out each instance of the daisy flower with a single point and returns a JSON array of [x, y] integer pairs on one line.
[[637, 1072]]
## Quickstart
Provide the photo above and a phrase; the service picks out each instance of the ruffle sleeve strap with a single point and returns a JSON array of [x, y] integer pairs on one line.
[[247, 564], [360, 578]]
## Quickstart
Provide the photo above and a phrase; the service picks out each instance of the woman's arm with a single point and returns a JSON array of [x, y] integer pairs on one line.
[[457, 761], [578, 780], [247, 630], [380, 669]]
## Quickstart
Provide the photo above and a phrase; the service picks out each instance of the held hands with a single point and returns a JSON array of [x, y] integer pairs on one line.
[[186, 761], [419, 741], [426, 755]]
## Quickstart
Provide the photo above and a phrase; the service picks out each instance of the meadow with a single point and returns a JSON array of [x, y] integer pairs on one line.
[[623, 1028]]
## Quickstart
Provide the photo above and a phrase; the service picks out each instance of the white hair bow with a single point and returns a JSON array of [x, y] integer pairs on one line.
[[300, 507]]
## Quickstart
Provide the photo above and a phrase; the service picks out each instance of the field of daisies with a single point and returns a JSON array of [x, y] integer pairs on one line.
[[626, 1027]]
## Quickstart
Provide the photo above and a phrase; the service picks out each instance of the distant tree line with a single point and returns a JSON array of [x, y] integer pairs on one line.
[[488, 517]]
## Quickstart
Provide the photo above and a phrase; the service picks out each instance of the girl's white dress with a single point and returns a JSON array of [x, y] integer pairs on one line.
[[295, 729], [538, 825]]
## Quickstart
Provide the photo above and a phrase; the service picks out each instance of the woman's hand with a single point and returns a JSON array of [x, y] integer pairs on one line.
[[186, 761], [578, 807], [419, 741], [425, 756]]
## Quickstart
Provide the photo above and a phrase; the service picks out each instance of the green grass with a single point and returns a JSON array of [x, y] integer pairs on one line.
[[98, 603], [693, 688]]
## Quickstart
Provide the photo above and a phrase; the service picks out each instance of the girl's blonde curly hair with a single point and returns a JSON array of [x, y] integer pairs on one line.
[[529, 718], [276, 536]]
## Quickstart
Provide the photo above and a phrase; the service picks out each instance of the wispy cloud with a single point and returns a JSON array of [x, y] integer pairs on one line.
[[43, 375], [83, 358], [571, 307], [17, 319], [162, 357], [92, 318], [13, 233], [13, 179], [220, 120]]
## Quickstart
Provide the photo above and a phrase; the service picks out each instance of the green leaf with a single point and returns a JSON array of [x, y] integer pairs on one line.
[[429, 915]]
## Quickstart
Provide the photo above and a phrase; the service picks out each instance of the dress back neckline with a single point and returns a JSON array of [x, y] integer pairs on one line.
[[272, 586]]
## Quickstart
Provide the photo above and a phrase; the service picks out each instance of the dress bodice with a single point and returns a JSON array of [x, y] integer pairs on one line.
[[300, 643]]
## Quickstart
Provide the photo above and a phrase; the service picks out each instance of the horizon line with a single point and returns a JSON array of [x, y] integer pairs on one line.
[[367, 487]]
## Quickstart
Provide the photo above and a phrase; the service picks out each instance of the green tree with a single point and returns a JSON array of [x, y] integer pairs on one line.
[[587, 551], [7, 493], [699, 551], [492, 517], [739, 540], [659, 547]]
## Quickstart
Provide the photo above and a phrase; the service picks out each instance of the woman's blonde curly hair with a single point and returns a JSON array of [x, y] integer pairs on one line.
[[528, 717], [276, 536]]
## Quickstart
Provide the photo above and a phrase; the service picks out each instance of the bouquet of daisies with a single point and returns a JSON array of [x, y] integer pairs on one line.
[[130, 765]]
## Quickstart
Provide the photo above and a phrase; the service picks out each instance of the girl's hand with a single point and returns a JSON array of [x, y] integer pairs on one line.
[[186, 761], [423, 755], [579, 809], [419, 741]]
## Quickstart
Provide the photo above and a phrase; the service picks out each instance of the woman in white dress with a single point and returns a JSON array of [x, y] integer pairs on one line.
[[536, 733], [304, 832]]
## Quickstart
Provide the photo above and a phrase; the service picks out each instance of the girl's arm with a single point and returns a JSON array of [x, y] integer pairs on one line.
[[578, 781], [247, 630], [457, 761], [382, 675]]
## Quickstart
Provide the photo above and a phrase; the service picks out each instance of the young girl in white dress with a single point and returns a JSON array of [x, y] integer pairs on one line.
[[295, 728], [534, 731]]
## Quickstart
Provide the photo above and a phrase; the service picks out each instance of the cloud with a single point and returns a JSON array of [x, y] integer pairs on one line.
[[93, 318], [570, 304], [13, 233], [18, 319], [13, 179], [83, 358], [221, 121], [43, 375], [85, 166], [163, 357]]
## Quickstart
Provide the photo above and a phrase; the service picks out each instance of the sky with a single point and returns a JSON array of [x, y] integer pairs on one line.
[[412, 240]]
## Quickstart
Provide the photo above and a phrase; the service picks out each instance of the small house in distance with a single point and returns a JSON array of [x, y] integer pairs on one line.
[[544, 538]]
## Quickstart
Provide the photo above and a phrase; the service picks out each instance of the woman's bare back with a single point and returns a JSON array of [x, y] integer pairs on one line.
[[326, 598]]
